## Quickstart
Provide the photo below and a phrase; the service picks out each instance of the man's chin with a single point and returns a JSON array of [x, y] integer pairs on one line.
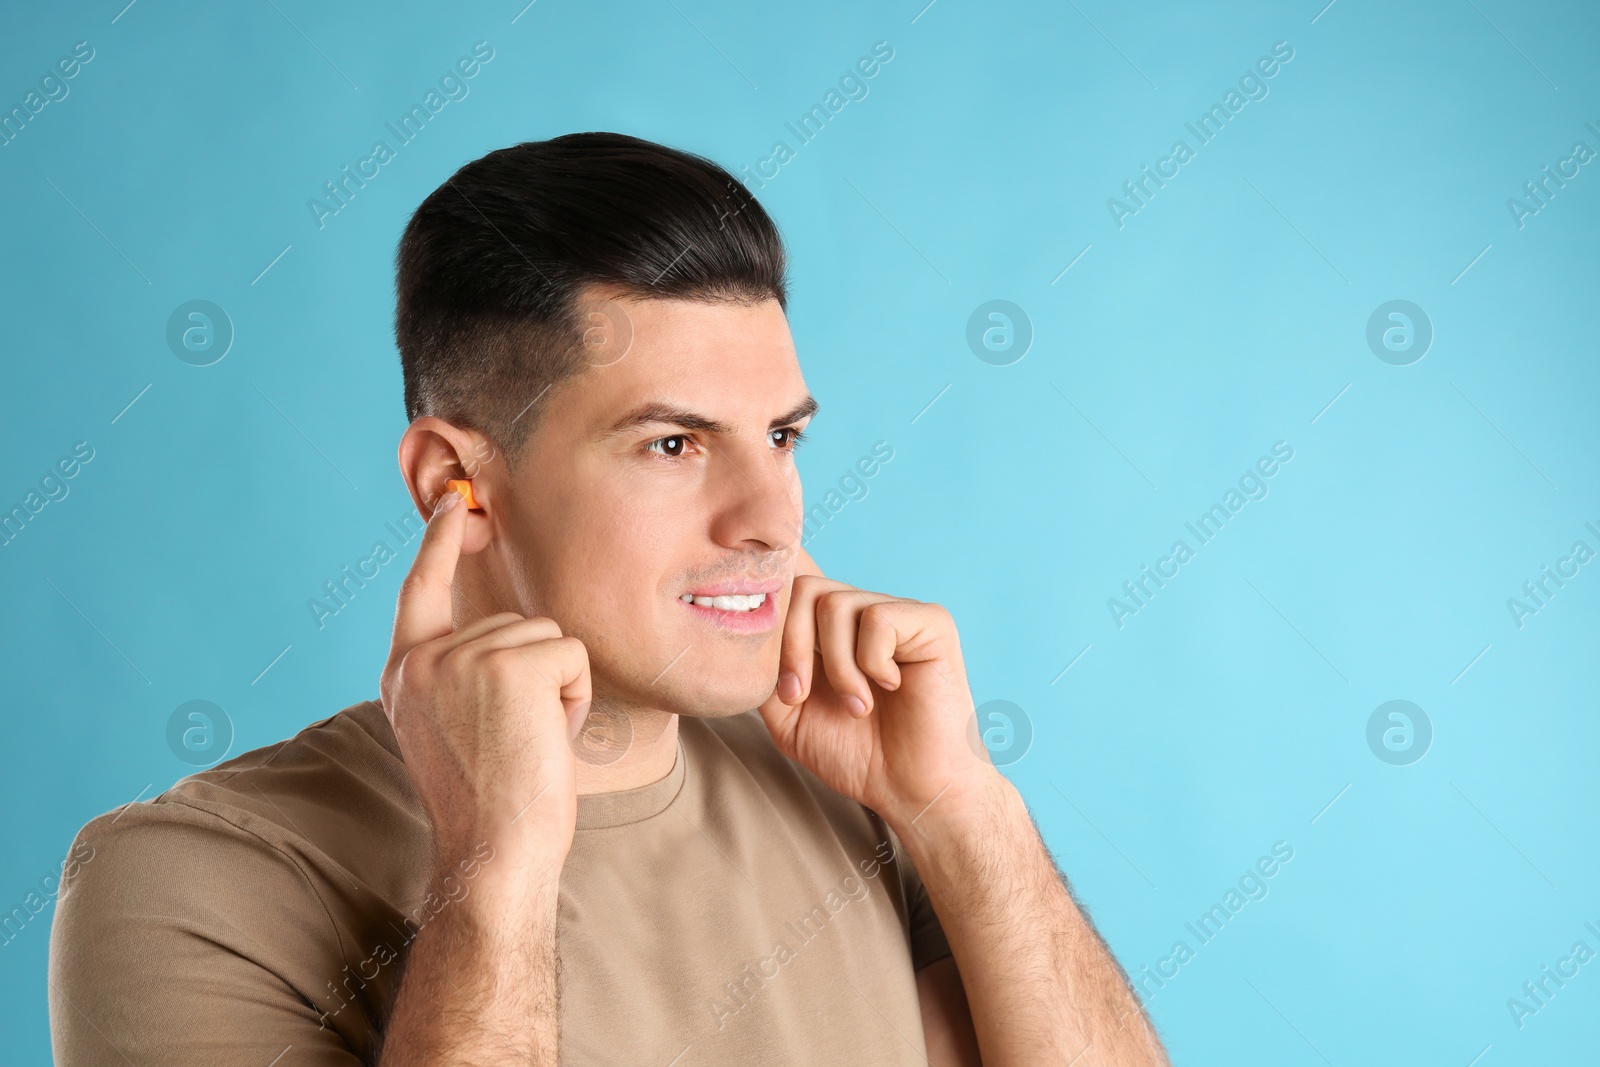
[[717, 713], [721, 704]]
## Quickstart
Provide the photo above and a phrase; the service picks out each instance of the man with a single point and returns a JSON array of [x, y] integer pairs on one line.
[[641, 786]]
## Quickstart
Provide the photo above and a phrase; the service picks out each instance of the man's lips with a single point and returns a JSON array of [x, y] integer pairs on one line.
[[754, 621], [738, 588]]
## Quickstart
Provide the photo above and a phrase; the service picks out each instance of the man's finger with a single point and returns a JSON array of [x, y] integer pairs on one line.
[[877, 640], [800, 635], [492, 624], [422, 610], [511, 632], [567, 663], [838, 620]]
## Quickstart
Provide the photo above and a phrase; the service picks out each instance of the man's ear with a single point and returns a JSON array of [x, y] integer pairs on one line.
[[432, 452]]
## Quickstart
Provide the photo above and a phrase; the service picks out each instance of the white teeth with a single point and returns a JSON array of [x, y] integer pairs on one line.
[[739, 602]]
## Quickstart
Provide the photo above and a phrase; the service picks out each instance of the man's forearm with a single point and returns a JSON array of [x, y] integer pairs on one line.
[[1040, 983], [479, 984]]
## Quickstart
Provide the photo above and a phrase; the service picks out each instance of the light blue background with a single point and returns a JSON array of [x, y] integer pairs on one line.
[[1224, 316]]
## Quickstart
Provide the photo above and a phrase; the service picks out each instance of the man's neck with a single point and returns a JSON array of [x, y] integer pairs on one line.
[[620, 750]]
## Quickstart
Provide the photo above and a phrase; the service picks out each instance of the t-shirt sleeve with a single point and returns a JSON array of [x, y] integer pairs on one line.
[[173, 933], [928, 943]]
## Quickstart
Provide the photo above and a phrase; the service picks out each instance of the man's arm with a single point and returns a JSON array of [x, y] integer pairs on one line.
[[1040, 983], [480, 980], [483, 716], [946, 1018], [181, 940]]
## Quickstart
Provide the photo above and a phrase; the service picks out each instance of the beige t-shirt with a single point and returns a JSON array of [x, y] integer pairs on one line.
[[737, 911]]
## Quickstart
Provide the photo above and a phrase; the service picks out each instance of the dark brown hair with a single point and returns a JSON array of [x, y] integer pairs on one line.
[[491, 265]]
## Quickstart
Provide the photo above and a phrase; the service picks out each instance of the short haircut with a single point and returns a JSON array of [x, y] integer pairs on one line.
[[491, 266]]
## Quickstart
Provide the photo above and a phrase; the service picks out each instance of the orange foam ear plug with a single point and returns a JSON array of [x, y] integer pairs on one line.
[[465, 489]]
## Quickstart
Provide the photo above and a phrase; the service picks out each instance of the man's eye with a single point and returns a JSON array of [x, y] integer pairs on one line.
[[793, 440], [666, 441]]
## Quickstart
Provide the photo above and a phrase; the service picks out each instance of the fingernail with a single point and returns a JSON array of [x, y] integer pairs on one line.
[[446, 502], [789, 687], [857, 706]]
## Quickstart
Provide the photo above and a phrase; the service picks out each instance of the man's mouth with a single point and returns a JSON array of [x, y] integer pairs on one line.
[[732, 602], [741, 605]]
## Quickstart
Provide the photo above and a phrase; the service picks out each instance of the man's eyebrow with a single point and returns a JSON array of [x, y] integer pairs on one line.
[[671, 415]]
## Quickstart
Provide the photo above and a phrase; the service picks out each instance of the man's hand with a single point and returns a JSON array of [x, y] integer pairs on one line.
[[872, 697], [1038, 983], [484, 715]]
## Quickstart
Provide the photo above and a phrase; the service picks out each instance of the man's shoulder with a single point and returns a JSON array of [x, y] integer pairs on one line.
[[315, 795], [237, 893]]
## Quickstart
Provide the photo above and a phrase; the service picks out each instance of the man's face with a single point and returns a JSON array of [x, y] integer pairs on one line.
[[668, 471]]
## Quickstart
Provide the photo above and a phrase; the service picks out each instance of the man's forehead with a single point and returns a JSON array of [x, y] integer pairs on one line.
[[719, 360]]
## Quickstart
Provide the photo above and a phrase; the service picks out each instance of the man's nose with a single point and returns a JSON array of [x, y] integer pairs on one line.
[[759, 499]]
